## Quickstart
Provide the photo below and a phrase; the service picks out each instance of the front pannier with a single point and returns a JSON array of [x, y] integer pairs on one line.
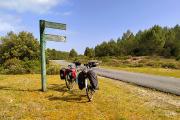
[[62, 73], [93, 79]]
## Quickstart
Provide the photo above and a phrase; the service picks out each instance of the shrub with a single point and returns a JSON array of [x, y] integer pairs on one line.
[[32, 66], [124, 57], [1, 69], [136, 65], [53, 70], [16, 66], [13, 66], [169, 65], [153, 64], [178, 58], [143, 61], [126, 62]]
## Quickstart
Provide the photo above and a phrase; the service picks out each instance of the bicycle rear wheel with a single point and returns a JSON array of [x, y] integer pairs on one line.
[[69, 82]]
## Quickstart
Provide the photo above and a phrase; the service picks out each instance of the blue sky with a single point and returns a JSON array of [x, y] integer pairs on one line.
[[89, 22]]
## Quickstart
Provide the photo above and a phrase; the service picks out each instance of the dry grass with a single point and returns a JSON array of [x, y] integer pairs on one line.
[[21, 99]]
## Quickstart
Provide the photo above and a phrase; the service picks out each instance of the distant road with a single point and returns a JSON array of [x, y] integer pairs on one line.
[[165, 84], [62, 62]]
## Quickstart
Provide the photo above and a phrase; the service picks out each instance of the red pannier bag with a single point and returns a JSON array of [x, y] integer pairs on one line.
[[71, 72]]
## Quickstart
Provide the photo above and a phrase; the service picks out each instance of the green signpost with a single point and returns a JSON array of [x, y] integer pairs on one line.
[[43, 38]]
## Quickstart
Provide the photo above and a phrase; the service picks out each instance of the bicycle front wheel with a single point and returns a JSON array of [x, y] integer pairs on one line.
[[89, 90]]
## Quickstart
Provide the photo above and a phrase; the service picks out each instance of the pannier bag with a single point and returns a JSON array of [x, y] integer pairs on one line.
[[81, 80], [93, 79], [62, 73], [71, 72]]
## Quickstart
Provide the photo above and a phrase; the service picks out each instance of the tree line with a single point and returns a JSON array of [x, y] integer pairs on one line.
[[53, 54], [157, 40]]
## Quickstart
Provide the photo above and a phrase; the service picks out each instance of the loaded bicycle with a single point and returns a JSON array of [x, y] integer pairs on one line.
[[84, 76], [69, 75]]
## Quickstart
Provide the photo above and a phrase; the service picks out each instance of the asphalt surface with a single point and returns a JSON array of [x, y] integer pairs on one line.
[[161, 83]]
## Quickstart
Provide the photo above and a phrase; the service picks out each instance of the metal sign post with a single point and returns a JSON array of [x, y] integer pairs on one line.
[[43, 38]]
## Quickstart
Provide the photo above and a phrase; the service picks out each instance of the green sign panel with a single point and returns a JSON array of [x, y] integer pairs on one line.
[[56, 38], [48, 37], [55, 25]]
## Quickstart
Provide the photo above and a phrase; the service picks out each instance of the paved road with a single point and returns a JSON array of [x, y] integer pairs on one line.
[[165, 84], [62, 62]]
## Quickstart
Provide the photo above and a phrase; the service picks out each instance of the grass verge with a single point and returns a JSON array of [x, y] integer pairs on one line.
[[22, 99], [149, 70]]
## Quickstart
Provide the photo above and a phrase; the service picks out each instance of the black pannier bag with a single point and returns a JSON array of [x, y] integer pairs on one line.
[[93, 79], [62, 73], [81, 80]]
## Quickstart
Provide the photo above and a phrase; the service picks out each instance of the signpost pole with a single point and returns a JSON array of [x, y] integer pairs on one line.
[[43, 38], [43, 57]]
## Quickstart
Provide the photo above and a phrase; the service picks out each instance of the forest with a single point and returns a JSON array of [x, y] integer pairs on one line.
[[157, 40]]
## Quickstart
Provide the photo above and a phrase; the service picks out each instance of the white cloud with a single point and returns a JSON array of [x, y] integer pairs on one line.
[[37, 6], [67, 13], [9, 23]]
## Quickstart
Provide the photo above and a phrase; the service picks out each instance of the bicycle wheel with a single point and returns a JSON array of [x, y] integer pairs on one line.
[[69, 82], [89, 91]]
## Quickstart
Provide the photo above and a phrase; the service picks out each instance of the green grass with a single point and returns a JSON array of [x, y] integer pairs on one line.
[[22, 99], [149, 70]]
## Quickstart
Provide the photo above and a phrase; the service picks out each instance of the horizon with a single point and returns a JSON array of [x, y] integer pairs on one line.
[[107, 20]]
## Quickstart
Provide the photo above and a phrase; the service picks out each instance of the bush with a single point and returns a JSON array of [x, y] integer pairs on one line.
[[16, 66], [1, 69], [53, 70], [13, 66], [178, 58], [169, 65], [32, 66], [136, 65], [126, 62], [124, 57], [153, 64]]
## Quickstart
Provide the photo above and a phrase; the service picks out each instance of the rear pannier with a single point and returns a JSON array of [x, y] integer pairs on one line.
[[71, 72], [81, 80]]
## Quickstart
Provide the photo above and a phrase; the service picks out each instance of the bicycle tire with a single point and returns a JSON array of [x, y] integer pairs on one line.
[[69, 82], [89, 93]]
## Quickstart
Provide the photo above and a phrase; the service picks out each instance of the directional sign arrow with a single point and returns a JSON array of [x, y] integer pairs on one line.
[[55, 25], [56, 38]]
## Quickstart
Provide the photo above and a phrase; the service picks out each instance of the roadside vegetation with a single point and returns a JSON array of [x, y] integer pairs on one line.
[[21, 98], [156, 65], [148, 70], [20, 54], [143, 61], [146, 64]]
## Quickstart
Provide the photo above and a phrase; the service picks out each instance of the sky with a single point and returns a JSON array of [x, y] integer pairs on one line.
[[89, 22]]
